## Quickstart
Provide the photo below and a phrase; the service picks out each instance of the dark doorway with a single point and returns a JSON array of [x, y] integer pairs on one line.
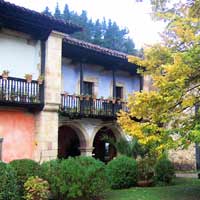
[[102, 150], [68, 142]]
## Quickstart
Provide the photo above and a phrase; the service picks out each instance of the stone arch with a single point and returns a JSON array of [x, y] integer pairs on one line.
[[70, 141], [117, 131], [103, 150], [80, 131]]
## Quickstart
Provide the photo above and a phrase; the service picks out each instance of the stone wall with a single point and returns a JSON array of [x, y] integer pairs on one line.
[[184, 159]]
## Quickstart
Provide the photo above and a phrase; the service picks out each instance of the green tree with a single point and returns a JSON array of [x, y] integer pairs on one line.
[[57, 13], [66, 13], [97, 38], [103, 33], [47, 11], [166, 113]]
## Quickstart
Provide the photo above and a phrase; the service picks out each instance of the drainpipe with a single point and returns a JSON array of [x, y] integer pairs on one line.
[[1, 142]]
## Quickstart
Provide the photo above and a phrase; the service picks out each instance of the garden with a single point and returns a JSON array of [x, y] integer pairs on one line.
[[84, 178]]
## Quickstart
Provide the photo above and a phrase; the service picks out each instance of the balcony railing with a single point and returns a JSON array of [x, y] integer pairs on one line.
[[18, 92], [79, 106]]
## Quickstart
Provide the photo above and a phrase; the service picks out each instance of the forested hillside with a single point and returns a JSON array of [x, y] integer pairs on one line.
[[105, 33]]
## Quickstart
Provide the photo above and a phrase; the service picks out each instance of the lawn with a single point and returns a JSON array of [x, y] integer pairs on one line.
[[183, 189]]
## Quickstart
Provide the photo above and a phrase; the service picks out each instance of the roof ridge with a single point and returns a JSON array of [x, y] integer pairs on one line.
[[51, 18], [95, 47]]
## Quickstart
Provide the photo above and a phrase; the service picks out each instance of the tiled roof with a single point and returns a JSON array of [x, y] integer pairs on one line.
[[11, 10], [93, 47]]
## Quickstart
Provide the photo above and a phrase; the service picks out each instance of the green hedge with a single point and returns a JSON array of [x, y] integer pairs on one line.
[[9, 189], [76, 178], [122, 172], [25, 168]]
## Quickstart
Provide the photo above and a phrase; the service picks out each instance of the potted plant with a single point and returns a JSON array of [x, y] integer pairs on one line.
[[28, 77], [23, 97], [81, 97], [73, 96], [109, 99], [87, 97], [119, 101], [5, 74], [2, 94], [65, 94], [113, 100], [94, 97], [40, 79], [33, 99], [13, 95], [145, 172]]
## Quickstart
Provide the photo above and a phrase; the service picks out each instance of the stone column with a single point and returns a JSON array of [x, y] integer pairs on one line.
[[87, 151], [46, 140]]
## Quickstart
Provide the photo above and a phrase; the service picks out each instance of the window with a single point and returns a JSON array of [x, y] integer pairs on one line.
[[119, 92], [87, 88]]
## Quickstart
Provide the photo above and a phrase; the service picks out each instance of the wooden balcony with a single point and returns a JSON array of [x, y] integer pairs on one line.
[[84, 107], [18, 92]]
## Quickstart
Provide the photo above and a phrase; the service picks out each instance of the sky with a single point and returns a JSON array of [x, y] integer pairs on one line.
[[127, 13]]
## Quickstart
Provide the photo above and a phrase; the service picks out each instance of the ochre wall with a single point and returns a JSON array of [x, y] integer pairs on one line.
[[17, 129]]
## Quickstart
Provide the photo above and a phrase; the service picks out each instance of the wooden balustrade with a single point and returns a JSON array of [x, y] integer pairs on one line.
[[19, 92], [82, 106]]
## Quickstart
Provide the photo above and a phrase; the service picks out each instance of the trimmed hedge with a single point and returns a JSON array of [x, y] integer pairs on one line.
[[76, 178], [122, 172], [8, 183], [25, 168], [164, 170]]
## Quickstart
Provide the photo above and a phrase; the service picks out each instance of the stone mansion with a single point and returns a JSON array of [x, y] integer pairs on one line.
[[60, 95]]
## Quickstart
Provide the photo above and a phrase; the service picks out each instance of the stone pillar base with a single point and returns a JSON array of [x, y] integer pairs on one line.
[[86, 151]]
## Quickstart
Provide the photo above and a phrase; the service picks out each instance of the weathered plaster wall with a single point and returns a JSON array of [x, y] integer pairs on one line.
[[17, 129], [19, 54], [101, 77]]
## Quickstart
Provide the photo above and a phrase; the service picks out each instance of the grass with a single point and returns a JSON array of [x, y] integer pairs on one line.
[[182, 189]]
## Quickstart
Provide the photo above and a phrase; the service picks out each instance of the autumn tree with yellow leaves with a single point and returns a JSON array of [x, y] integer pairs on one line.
[[165, 118]]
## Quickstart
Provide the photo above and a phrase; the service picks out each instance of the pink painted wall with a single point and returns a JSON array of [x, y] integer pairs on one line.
[[17, 129]]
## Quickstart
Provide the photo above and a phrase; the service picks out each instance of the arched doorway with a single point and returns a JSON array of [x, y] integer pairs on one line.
[[68, 142], [103, 150]]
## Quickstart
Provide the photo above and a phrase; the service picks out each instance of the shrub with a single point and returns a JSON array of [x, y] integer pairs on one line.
[[36, 189], [146, 169], [122, 172], [76, 178], [8, 183], [25, 168], [164, 170]]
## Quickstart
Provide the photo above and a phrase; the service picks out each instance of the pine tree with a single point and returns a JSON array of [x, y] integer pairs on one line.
[[103, 33], [57, 13], [47, 11], [97, 38], [66, 13]]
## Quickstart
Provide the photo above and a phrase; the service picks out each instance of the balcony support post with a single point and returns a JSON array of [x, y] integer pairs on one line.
[[114, 83], [81, 77], [114, 90], [81, 85]]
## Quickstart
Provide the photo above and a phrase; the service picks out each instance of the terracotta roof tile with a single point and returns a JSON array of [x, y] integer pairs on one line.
[[97, 48], [56, 23]]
